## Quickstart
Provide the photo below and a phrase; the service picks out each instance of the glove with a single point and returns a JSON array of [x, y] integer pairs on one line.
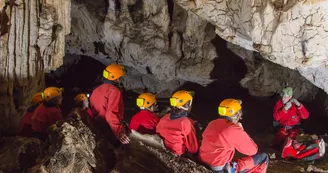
[[296, 102], [288, 105]]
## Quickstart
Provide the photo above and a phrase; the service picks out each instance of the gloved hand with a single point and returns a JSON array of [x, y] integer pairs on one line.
[[124, 139], [296, 102], [288, 105]]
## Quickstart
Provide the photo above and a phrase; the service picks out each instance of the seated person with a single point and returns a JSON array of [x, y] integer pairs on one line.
[[223, 136], [175, 128], [288, 112], [145, 121]]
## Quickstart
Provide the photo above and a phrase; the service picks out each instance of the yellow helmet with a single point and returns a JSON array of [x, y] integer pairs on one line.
[[145, 100], [229, 107], [180, 98], [80, 97], [114, 71], [52, 92], [37, 98]]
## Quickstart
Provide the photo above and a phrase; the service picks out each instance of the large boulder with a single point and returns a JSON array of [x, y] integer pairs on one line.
[[76, 148], [147, 153]]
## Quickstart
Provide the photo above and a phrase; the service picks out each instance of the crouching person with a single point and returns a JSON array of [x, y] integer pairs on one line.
[[225, 135], [145, 121], [176, 129], [47, 113]]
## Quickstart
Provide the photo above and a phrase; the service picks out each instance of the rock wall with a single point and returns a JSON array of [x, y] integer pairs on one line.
[[164, 44], [287, 32], [264, 78], [32, 42]]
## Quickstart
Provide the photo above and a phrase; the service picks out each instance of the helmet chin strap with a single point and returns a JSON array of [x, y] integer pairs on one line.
[[186, 109]]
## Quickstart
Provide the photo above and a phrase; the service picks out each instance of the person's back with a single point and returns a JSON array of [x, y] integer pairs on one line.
[[175, 128], [220, 140], [106, 97], [145, 121], [178, 134], [106, 103], [44, 116]]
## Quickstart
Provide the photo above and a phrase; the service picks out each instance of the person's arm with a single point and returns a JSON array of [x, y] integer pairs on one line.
[[154, 121], [278, 112], [242, 141], [302, 112], [113, 115], [190, 139]]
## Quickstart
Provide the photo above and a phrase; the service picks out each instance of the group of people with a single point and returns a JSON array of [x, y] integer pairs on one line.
[[221, 138]]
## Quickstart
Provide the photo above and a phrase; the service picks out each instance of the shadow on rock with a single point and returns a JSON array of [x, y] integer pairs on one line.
[[18, 153]]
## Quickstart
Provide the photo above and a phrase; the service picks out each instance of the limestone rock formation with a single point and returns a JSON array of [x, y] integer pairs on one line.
[[165, 44], [265, 78], [290, 33], [18, 153], [32, 42], [136, 156], [76, 147]]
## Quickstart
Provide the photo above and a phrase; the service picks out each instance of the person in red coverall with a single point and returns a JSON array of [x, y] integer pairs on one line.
[[176, 129], [25, 124], [145, 121], [225, 135], [288, 112], [107, 104], [47, 113]]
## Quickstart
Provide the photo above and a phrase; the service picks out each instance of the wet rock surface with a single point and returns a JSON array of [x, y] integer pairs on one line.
[[18, 153]]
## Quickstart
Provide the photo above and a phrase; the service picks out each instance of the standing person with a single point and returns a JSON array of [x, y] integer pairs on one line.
[[47, 113], [225, 135], [145, 121], [25, 124], [175, 128], [288, 112], [107, 104]]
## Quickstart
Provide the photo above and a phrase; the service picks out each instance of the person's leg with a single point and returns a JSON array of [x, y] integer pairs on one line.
[[292, 133], [255, 164], [280, 137]]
